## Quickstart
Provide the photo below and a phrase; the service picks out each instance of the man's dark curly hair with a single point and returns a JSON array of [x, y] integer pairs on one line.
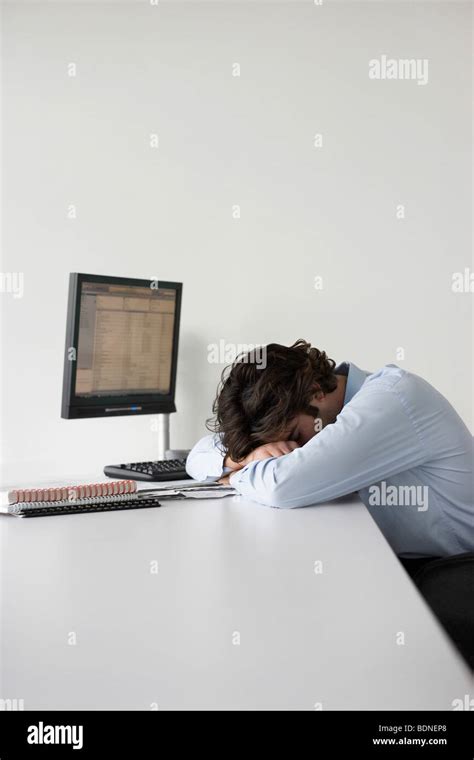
[[254, 404]]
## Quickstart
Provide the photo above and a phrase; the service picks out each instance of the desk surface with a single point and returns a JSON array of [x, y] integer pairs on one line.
[[234, 618]]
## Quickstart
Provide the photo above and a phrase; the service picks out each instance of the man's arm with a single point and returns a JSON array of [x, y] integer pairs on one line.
[[206, 459], [372, 439]]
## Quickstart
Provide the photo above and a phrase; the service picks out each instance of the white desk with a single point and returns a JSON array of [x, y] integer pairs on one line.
[[224, 566]]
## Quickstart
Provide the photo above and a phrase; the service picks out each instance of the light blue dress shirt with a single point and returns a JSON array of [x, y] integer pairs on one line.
[[396, 441]]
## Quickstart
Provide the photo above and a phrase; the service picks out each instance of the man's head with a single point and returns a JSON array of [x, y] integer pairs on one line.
[[291, 398]]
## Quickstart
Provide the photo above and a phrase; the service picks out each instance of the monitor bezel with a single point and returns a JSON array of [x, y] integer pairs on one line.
[[78, 407]]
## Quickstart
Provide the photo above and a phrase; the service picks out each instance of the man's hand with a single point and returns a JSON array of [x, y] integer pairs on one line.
[[274, 449], [268, 450]]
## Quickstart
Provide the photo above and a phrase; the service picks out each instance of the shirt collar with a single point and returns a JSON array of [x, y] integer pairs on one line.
[[355, 380]]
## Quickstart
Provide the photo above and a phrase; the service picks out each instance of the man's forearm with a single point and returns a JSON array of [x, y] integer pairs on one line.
[[206, 459]]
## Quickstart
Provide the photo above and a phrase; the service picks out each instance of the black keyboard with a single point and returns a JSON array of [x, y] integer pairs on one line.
[[75, 509], [164, 469]]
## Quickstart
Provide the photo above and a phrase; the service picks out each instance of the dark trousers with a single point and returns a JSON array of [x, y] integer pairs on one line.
[[447, 585], [412, 566]]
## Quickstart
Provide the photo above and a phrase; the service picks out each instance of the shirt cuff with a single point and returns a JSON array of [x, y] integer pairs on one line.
[[241, 476], [232, 478]]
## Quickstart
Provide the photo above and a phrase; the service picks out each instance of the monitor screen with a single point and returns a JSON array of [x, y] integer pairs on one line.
[[125, 340], [124, 334]]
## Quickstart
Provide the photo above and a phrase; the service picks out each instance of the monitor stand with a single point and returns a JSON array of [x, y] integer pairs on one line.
[[163, 431]]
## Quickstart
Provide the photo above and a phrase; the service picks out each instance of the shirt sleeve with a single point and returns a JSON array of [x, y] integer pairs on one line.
[[205, 461], [373, 438]]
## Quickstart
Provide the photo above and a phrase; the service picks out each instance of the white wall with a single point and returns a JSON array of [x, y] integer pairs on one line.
[[225, 140]]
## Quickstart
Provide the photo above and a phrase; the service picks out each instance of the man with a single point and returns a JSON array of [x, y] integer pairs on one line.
[[300, 431]]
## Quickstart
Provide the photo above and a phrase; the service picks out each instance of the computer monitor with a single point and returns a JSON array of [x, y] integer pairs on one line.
[[121, 346]]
